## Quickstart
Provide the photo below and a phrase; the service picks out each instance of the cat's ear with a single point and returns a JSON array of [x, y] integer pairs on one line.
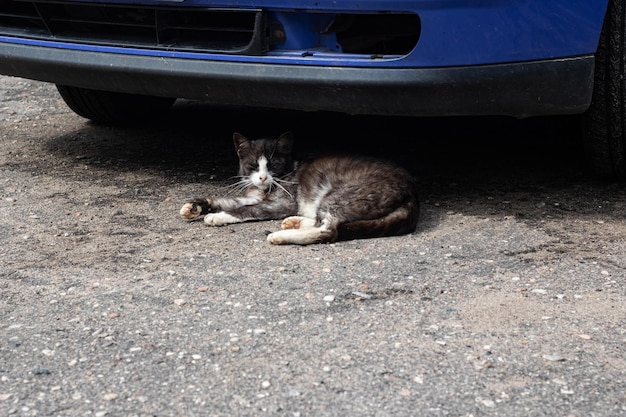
[[241, 143], [284, 143]]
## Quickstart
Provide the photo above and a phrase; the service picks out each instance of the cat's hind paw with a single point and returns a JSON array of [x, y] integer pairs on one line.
[[298, 236], [194, 209], [297, 222]]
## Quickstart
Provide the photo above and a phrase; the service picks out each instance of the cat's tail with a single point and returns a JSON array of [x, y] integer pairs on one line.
[[401, 221]]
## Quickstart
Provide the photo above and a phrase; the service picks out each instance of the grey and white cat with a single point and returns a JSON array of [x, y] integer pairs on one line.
[[323, 200]]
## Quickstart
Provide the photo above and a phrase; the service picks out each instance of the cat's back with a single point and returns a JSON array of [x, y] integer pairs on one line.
[[363, 196], [336, 169]]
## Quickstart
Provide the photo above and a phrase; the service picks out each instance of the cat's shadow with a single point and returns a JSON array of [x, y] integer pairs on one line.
[[454, 159]]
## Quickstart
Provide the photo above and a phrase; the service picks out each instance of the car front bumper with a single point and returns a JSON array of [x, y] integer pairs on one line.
[[556, 86]]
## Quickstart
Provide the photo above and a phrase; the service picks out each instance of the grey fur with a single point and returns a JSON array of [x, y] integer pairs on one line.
[[346, 197]]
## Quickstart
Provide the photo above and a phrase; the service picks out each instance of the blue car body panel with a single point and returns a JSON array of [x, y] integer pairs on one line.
[[454, 57]]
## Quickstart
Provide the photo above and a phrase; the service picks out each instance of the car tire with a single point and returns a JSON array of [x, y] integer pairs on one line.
[[604, 123], [114, 108]]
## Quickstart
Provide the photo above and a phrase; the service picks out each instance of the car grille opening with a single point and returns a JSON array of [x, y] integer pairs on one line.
[[179, 29], [211, 30], [377, 34]]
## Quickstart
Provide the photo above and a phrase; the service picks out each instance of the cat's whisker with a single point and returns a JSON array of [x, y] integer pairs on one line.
[[277, 184], [237, 191], [238, 178], [238, 186], [286, 182]]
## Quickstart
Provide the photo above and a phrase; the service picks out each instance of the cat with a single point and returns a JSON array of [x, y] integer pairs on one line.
[[324, 200]]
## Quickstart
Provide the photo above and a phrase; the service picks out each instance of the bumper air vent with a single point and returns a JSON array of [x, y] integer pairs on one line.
[[173, 29]]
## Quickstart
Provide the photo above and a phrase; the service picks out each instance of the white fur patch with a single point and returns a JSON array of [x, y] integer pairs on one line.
[[248, 201], [262, 177], [309, 208], [220, 219]]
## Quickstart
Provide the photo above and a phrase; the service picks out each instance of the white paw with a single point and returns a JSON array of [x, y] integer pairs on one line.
[[295, 236], [273, 238], [220, 219], [278, 238]]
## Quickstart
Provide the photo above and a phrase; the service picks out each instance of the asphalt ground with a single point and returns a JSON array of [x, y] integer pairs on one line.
[[509, 299]]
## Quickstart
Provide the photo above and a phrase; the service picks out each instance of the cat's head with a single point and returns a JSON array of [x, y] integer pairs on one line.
[[263, 161]]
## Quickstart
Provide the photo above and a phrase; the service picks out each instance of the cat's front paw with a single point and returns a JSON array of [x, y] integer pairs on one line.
[[220, 219], [195, 208]]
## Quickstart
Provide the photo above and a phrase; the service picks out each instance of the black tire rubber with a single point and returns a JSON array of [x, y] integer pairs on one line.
[[604, 123], [114, 108]]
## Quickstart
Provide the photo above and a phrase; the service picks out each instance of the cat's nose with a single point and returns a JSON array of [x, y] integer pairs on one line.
[[263, 178]]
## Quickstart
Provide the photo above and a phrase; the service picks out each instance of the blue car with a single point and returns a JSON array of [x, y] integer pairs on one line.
[[122, 60]]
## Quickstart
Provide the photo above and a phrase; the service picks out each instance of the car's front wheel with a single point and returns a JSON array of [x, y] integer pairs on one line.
[[112, 108], [604, 126]]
